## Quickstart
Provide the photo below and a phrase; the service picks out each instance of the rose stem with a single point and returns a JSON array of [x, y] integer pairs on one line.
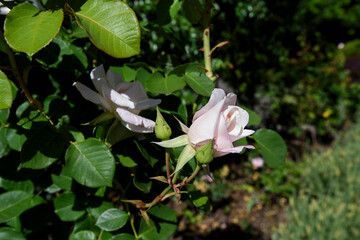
[[23, 86]]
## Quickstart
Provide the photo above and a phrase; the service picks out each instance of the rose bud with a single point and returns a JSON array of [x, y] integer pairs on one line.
[[162, 129]]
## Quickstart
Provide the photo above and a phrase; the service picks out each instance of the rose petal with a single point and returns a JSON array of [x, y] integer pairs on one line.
[[113, 79], [230, 100], [136, 92], [232, 150], [245, 133], [97, 76], [147, 103], [236, 117], [135, 122], [121, 100], [223, 140], [92, 96], [217, 95], [205, 127]]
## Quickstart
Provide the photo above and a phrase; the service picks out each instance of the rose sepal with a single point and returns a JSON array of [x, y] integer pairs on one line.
[[186, 155], [175, 142]]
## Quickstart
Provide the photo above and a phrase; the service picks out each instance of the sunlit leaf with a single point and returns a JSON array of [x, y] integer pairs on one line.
[[175, 7], [27, 29], [199, 200], [112, 26], [6, 93]]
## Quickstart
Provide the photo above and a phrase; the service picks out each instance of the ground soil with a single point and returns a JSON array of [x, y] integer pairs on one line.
[[232, 218]]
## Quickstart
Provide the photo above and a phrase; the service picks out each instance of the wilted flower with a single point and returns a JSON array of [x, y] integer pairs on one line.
[[219, 120], [123, 100]]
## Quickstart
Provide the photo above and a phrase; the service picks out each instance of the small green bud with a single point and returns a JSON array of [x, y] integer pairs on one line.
[[205, 153], [162, 129]]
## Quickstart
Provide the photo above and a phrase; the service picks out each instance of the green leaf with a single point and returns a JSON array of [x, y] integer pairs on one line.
[[66, 207], [146, 155], [254, 118], [28, 121], [174, 9], [141, 76], [156, 83], [272, 146], [15, 138], [71, 133], [13, 203], [196, 78], [82, 235], [4, 115], [4, 147], [128, 73], [192, 10], [112, 26], [112, 219], [42, 149], [27, 29], [52, 189], [9, 233], [99, 209], [200, 200], [9, 185], [126, 161], [90, 163], [123, 236], [142, 183], [163, 224], [6, 93], [67, 48], [163, 11], [62, 181]]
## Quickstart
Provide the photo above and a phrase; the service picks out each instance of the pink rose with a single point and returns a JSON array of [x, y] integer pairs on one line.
[[219, 120], [257, 162], [222, 121], [124, 100]]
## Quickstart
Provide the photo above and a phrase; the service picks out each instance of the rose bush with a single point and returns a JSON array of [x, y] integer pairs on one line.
[[219, 120], [123, 100]]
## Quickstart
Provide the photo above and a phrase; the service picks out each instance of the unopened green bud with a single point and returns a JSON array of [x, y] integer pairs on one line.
[[205, 153], [162, 129]]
